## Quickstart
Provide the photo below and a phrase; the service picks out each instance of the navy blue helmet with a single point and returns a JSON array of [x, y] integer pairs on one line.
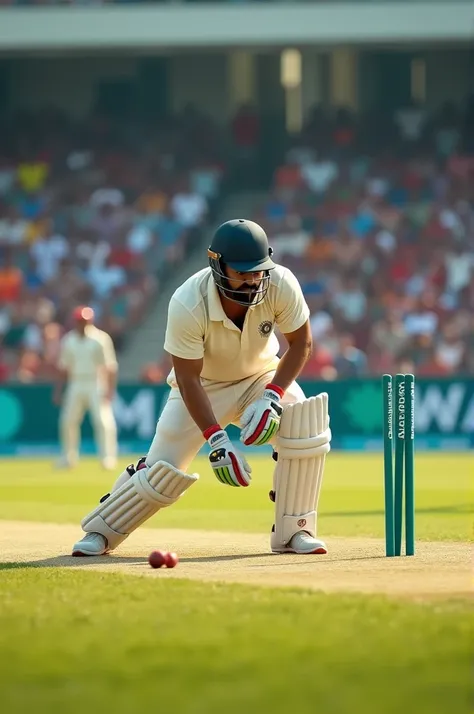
[[243, 246]]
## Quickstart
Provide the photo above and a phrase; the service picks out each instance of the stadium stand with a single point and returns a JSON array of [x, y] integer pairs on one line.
[[374, 214], [97, 213], [379, 228]]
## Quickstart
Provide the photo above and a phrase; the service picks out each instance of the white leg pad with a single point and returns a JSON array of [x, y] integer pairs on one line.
[[302, 443], [137, 499]]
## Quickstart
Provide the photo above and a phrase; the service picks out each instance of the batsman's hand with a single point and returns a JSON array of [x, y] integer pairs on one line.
[[230, 467], [261, 420]]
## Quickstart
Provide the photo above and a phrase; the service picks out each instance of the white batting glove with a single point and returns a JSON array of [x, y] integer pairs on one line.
[[261, 420], [230, 467]]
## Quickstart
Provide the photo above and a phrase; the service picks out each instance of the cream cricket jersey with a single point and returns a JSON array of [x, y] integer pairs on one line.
[[199, 328], [85, 357]]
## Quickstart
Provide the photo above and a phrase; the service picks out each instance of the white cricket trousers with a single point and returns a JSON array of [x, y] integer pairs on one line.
[[79, 397], [178, 439]]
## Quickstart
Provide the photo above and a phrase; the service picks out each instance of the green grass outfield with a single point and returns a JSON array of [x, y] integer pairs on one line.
[[351, 499], [74, 641], [80, 642]]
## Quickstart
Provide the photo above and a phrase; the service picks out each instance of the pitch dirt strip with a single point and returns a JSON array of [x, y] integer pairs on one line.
[[353, 564]]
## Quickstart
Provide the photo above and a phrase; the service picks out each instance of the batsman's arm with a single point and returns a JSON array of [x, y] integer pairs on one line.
[[188, 377], [184, 341], [300, 345], [292, 318]]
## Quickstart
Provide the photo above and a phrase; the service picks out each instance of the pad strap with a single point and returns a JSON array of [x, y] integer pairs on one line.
[[145, 493], [304, 448]]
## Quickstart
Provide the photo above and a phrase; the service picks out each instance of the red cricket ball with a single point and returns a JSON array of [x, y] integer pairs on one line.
[[171, 560], [157, 559]]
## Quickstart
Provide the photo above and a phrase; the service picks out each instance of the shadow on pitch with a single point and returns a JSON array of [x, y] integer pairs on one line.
[[67, 561], [219, 558]]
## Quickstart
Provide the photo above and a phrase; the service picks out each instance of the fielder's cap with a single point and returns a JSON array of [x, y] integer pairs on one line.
[[243, 245], [83, 313]]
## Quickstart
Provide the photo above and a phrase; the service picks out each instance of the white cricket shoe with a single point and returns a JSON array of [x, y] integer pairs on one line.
[[302, 543], [91, 544]]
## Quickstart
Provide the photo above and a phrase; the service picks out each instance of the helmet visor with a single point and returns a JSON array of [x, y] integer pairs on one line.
[[252, 266]]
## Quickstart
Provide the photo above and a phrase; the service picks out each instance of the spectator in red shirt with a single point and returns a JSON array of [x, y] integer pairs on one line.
[[11, 279], [320, 364]]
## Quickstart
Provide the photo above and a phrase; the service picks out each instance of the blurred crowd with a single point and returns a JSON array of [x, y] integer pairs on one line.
[[377, 222], [374, 214], [96, 212]]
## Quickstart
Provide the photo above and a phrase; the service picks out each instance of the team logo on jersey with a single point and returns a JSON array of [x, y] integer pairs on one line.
[[265, 328]]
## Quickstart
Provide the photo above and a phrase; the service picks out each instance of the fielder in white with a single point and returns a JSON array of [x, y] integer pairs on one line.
[[220, 335], [88, 364]]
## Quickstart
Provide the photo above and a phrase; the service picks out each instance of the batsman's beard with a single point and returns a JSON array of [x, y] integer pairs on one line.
[[245, 293]]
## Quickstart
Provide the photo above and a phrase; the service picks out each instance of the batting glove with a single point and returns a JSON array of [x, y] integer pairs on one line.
[[261, 420], [230, 467]]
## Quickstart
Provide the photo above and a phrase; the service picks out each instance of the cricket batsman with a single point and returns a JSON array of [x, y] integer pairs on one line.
[[220, 335], [88, 364]]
